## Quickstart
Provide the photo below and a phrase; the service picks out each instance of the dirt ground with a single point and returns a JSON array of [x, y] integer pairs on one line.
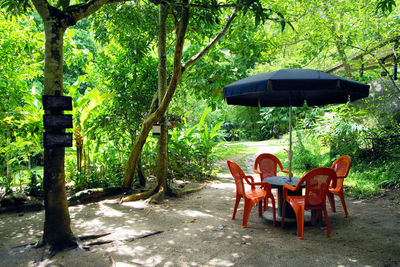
[[198, 231]]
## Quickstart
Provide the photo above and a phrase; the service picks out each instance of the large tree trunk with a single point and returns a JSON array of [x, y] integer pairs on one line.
[[57, 231]]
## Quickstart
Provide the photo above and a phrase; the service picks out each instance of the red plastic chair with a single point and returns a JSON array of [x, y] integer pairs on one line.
[[342, 167], [251, 197], [266, 165], [317, 185]]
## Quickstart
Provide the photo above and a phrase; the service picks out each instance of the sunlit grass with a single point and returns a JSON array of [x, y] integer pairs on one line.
[[232, 149]]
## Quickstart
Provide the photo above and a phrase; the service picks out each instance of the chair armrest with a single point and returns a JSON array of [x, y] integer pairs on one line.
[[291, 188], [257, 171], [263, 184], [333, 183], [249, 177]]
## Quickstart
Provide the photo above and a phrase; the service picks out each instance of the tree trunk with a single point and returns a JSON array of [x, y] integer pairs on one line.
[[162, 157], [343, 58], [163, 103], [162, 151], [178, 70], [57, 231], [79, 149], [136, 150], [141, 177], [8, 166], [338, 40]]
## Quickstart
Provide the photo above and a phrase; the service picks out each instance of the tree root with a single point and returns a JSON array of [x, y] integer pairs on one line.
[[181, 192], [92, 195], [139, 196], [156, 193], [159, 196]]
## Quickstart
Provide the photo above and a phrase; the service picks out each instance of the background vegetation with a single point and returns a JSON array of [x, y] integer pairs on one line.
[[110, 71]]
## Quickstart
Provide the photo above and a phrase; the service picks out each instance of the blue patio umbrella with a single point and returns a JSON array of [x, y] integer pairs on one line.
[[293, 88]]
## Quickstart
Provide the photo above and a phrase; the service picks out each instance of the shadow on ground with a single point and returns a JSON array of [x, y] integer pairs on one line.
[[198, 231]]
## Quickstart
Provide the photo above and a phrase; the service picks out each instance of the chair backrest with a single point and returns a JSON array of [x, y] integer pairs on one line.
[[267, 164], [342, 167], [317, 185], [238, 175]]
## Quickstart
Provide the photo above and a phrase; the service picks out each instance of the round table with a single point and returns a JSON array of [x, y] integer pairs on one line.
[[278, 182]]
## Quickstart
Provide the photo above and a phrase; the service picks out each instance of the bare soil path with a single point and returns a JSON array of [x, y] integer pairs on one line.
[[198, 231]]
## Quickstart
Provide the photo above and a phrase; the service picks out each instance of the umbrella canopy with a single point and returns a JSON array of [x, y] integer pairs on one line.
[[294, 88]]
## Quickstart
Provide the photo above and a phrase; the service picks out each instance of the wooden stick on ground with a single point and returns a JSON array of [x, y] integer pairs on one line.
[[86, 237], [143, 236]]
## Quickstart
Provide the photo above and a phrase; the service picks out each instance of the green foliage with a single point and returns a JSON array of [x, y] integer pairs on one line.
[[342, 129], [308, 152], [104, 170], [386, 6], [241, 123], [112, 56], [35, 184], [367, 179], [275, 121], [191, 150]]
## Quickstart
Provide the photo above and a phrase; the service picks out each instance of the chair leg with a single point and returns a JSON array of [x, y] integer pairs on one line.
[[327, 221], [341, 195], [319, 215], [248, 204], [266, 204], [283, 212], [260, 208], [236, 206], [331, 198], [300, 220], [314, 216], [273, 210]]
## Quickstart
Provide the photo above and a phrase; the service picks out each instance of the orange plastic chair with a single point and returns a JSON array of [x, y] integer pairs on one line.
[[317, 185], [266, 166], [251, 197], [342, 167]]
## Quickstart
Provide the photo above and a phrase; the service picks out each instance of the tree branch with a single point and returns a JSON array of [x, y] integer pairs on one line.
[[81, 11], [205, 50], [42, 7], [205, 6]]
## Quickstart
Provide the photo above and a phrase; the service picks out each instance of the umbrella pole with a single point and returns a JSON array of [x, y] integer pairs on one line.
[[290, 144]]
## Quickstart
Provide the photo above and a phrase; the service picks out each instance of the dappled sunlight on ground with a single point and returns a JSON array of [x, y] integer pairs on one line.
[[197, 230], [193, 213]]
